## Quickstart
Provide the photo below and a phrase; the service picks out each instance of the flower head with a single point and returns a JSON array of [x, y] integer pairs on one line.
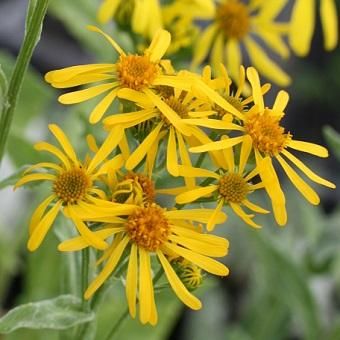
[[131, 72], [72, 184], [147, 231], [236, 24], [262, 132]]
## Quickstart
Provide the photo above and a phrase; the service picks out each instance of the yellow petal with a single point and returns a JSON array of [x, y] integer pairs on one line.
[[43, 146], [254, 207], [79, 243], [143, 148], [85, 78], [145, 288], [64, 142], [233, 58], [107, 10], [245, 152], [212, 220], [274, 40], [102, 107], [222, 144], [39, 212], [216, 56], [112, 165], [314, 149], [213, 124], [108, 38], [246, 218], [90, 237], [190, 171], [254, 80], [181, 291], [193, 195], [281, 101], [199, 215], [159, 45], [308, 172], [111, 141], [204, 262], [131, 280], [43, 165], [83, 95], [330, 26], [43, 227], [265, 65], [35, 177], [134, 96], [272, 185], [171, 154], [310, 195], [108, 268], [203, 45], [302, 26]]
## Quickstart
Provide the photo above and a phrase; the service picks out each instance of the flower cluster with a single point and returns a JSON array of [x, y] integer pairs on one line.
[[166, 117], [223, 29]]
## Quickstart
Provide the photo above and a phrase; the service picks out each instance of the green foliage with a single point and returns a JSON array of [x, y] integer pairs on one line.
[[3, 87], [60, 313]]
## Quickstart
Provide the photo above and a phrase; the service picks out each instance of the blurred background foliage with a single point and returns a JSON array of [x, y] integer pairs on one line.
[[284, 282]]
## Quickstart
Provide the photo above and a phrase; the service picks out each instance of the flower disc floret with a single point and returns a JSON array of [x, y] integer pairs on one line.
[[267, 134], [147, 185], [148, 227], [233, 188], [71, 185], [233, 19], [136, 72], [177, 105]]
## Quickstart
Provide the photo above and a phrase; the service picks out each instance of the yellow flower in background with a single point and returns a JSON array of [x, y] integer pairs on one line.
[[151, 231], [231, 185], [236, 25], [269, 141], [132, 72], [303, 25], [73, 184], [178, 19], [144, 16]]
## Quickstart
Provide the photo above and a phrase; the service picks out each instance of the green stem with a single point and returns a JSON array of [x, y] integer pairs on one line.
[[30, 41], [85, 261], [120, 321]]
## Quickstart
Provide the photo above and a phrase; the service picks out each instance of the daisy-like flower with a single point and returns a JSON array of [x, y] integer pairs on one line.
[[235, 25], [73, 184], [144, 16], [151, 231], [263, 133], [174, 116], [230, 186], [131, 72], [303, 25]]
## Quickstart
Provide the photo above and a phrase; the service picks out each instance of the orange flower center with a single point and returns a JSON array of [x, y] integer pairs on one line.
[[233, 19], [267, 134], [233, 188], [136, 72], [71, 185], [148, 227]]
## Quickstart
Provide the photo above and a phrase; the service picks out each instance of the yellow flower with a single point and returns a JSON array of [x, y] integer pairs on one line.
[[148, 231], [230, 186], [263, 133], [236, 25], [303, 24], [132, 72], [174, 116], [144, 15], [72, 185]]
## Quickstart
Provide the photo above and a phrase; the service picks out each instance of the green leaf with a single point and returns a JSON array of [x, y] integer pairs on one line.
[[3, 87], [59, 313], [333, 140]]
